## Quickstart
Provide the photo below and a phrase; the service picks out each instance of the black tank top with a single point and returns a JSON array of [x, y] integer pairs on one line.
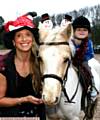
[[18, 86]]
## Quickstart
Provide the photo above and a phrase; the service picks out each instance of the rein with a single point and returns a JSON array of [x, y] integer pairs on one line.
[[53, 75]]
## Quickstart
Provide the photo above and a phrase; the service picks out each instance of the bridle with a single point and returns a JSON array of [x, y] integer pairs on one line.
[[53, 75], [64, 80]]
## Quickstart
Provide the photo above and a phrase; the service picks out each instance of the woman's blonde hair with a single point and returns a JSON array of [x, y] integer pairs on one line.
[[35, 69]]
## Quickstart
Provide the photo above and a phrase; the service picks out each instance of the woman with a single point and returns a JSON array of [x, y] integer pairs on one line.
[[84, 51], [20, 83]]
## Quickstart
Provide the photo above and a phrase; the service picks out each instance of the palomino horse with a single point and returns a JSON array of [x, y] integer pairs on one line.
[[62, 90]]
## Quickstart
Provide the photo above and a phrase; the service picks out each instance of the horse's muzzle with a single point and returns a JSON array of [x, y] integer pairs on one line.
[[50, 101]]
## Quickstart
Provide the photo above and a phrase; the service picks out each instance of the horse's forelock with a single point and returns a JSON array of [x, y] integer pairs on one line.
[[52, 35], [56, 34]]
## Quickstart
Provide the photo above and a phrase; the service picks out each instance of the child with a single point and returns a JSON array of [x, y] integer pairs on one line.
[[84, 49]]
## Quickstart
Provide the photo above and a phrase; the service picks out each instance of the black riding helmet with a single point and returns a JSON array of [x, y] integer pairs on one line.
[[81, 22]]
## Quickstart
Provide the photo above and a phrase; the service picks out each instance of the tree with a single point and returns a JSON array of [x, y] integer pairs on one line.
[[1, 21]]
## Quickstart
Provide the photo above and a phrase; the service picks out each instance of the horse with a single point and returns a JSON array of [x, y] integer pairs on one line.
[[62, 91]]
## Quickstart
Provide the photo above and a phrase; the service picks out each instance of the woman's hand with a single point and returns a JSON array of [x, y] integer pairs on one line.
[[34, 100]]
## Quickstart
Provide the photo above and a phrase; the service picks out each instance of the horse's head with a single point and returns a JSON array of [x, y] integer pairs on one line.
[[54, 56]]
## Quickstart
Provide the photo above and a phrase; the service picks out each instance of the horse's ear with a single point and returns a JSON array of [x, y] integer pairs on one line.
[[42, 35], [44, 30], [67, 30]]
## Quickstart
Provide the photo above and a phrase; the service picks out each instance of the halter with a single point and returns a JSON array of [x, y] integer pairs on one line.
[[64, 80]]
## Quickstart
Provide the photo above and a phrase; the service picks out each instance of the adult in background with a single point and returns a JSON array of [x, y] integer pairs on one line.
[[20, 83]]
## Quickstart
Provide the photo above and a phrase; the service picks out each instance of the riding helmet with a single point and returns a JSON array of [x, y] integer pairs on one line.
[[81, 22]]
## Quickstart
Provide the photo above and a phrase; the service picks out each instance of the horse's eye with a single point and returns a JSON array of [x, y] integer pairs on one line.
[[66, 59]]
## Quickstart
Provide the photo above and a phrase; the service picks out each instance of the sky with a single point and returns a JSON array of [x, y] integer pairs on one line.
[[11, 9]]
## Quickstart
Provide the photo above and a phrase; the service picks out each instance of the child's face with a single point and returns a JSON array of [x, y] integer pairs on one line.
[[81, 33]]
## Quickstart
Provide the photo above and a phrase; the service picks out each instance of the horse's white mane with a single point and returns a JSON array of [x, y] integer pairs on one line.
[[72, 47]]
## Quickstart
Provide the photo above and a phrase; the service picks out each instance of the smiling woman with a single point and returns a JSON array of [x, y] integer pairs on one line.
[[20, 83]]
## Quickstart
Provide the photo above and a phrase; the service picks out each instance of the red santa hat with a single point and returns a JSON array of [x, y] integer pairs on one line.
[[11, 27]]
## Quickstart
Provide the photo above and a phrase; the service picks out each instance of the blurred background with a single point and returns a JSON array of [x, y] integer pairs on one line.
[[91, 12]]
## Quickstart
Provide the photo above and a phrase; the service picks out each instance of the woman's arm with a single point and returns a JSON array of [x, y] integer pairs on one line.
[[8, 102]]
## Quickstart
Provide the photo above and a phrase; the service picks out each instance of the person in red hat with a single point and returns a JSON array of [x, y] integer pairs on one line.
[[20, 83], [46, 22]]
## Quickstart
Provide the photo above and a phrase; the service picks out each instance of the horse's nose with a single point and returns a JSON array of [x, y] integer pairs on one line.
[[50, 101]]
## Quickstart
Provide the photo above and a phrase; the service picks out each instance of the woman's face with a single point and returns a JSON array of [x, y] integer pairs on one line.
[[23, 40], [81, 33]]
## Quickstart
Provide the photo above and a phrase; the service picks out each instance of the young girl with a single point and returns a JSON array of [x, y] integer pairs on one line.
[[84, 49]]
